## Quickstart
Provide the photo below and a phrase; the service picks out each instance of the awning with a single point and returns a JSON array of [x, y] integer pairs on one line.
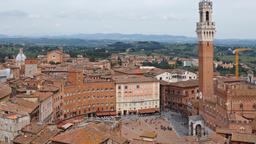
[[150, 110], [106, 113]]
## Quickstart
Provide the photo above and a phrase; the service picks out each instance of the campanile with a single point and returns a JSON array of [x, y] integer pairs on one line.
[[205, 33]]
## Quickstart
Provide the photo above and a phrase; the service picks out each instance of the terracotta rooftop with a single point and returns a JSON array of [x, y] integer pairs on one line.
[[224, 131], [42, 95], [12, 116], [149, 134], [46, 135], [56, 51], [246, 138], [163, 82], [236, 117], [157, 71], [24, 103], [48, 88], [81, 136], [16, 108], [213, 138], [185, 84], [132, 79], [5, 91], [41, 136], [33, 128], [24, 139], [92, 133], [132, 71]]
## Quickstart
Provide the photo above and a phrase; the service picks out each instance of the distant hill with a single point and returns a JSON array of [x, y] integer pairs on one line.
[[133, 37], [83, 39]]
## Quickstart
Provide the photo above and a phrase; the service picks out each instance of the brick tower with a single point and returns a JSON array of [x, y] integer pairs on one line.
[[205, 32]]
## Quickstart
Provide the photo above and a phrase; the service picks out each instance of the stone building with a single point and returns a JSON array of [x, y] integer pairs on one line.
[[182, 95], [15, 71], [87, 98], [55, 56], [250, 78], [30, 67], [5, 74], [11, 124], [172, 75], [165, 104], [137, 94], [45, 101], [19, 106]]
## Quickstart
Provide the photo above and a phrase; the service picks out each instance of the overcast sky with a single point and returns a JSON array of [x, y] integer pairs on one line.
[[234, 18]]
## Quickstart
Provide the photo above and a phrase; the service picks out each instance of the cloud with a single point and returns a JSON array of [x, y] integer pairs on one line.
[[57, 24], [34, 16], [233, 18], [172, 18], [13, 13]]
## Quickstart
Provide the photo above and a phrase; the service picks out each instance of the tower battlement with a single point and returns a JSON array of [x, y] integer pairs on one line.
[[205, 4], [205, 27]]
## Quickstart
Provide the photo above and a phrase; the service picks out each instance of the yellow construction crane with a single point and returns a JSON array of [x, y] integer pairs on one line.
[[236, 51]]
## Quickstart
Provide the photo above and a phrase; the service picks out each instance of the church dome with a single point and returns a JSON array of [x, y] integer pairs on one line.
[[20, 57]]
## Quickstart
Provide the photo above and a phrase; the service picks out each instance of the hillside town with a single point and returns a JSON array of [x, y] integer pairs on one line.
[[59, 99]]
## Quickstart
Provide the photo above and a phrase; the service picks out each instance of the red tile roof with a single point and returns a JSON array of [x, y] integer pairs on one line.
[[133, 79], [5, 91]]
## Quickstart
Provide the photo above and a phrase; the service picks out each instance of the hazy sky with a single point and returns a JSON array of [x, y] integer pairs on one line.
[[234, 18]]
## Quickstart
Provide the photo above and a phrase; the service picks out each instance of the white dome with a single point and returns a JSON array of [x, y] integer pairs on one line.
[[20, 57]]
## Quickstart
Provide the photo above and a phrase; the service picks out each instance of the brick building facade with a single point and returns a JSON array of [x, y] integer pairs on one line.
[[89, 98]]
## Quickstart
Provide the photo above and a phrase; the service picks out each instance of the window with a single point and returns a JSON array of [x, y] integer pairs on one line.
[[201, 16], [6, 139], [138, 86], [119, 87], [207, 16], [241, 106], [254, 106], [126, 87]]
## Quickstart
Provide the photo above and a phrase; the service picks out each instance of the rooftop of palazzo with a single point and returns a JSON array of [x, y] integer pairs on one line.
[[121, 79], [185, 84], [5, 90], [18, 106], [232, 85]]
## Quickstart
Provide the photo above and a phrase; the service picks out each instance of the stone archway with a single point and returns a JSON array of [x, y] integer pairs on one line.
[[196, 126], [198, 130]]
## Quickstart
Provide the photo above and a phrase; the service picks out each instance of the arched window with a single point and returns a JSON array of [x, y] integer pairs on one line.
[[241, 106], [207, 16], [201, 16]]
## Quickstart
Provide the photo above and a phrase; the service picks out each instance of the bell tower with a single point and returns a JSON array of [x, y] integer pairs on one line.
[[205, 33]]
